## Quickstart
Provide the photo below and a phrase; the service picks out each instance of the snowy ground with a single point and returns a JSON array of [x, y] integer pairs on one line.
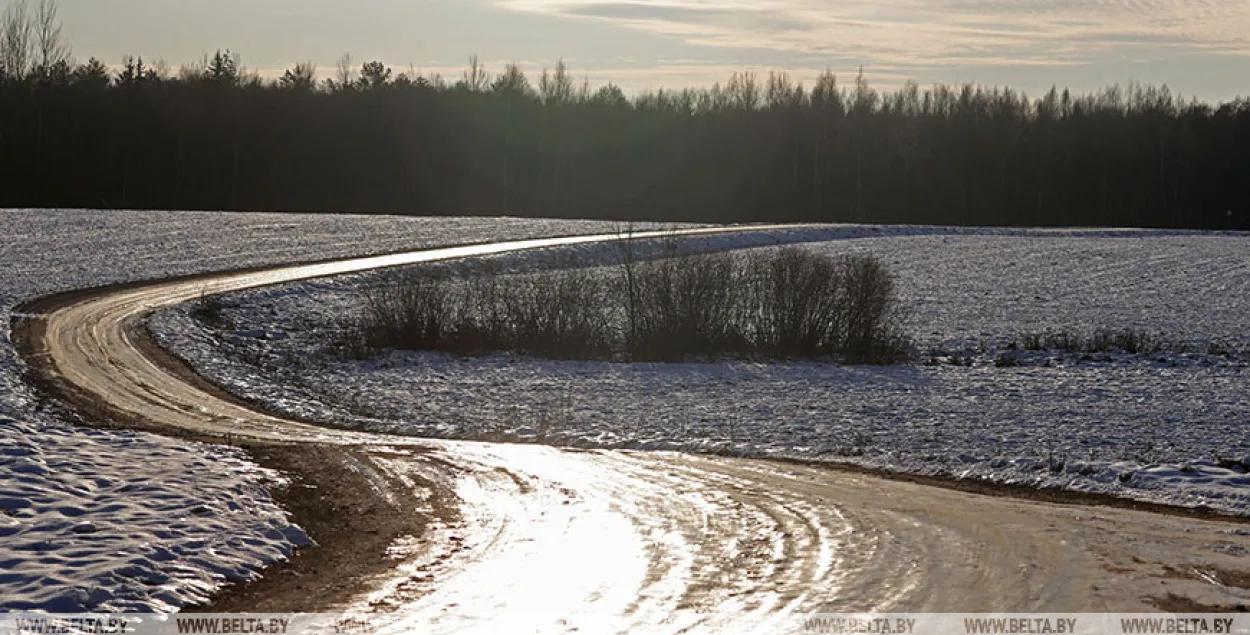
[[971, 291], [113, 520], [1167, 427]]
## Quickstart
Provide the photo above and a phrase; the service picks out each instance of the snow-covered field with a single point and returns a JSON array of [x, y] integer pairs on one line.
[[94, 520], [1169, 427], [964, 291]]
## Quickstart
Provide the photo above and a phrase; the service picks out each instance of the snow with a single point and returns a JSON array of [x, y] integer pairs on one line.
[[965, 290], [1167, 427], [95, 520], [103, 520]]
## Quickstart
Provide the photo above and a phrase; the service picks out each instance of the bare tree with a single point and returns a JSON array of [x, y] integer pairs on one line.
[[556, 88], [194, 72], [512, 81], [16, 28], [583, 93], [626, 249], [344, 74], [476, 79], [159, 71], [610, 95], [50, 48], [744, 91], [826, 94], [411, 77], [781, 91]]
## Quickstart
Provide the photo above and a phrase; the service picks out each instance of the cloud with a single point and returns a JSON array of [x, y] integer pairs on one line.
[[934, 32], [638, 11], [658, 15]]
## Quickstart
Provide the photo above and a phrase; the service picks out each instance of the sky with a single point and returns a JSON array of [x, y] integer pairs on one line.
[[1200, 48]]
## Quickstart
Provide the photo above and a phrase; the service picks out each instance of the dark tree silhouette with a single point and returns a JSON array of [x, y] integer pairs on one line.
[[215, 136]]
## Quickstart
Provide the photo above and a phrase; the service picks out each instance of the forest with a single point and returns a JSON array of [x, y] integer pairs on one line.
[[760, 147]]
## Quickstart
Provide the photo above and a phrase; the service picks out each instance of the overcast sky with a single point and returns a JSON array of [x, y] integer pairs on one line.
[[1198, 47]]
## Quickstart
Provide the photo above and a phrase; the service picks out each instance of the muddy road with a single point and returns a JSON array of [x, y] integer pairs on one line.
[[483, 537]]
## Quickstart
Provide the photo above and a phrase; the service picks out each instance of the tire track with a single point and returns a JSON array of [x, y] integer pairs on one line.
[[549, 540]]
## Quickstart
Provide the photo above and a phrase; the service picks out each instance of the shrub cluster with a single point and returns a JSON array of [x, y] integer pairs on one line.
[[783, 304], [1132, 341]]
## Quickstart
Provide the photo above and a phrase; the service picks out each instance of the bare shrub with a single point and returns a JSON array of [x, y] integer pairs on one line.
[[1052, 340], [685, 306], [410, 313], [556, 315], [1218, 349], [799, 302], [552, 315], [785, 304], [209, 310], [870, 306], [1130, 341], [1006, 360]]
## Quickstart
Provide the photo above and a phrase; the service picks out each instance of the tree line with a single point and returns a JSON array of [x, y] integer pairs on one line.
[[214, 135]]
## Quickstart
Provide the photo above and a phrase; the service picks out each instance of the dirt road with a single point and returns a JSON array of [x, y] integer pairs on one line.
[[532, 538]]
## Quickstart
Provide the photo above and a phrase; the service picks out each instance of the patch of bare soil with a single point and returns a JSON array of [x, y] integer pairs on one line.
[[351, 523], [1173, 603]]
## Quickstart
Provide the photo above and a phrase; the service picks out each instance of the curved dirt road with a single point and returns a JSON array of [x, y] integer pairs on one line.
[[550, 540]]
